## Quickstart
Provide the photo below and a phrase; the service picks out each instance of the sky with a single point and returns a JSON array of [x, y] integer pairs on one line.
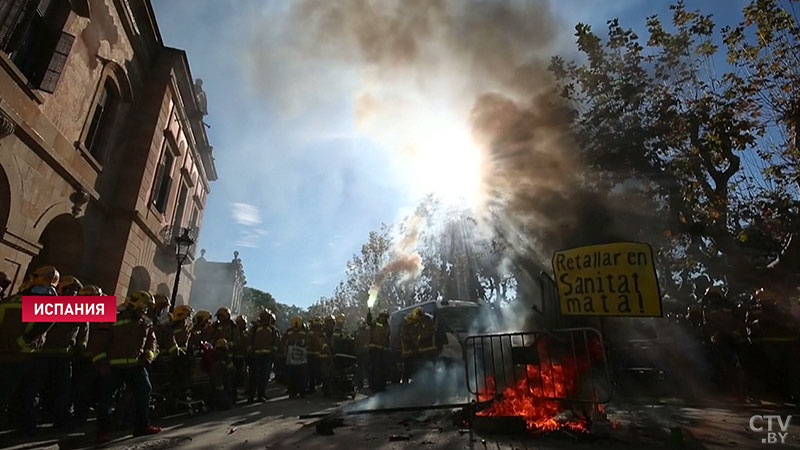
[[301, 184]]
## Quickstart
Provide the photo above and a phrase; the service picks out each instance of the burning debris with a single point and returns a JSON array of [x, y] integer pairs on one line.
[[527, 400], [536, 385]]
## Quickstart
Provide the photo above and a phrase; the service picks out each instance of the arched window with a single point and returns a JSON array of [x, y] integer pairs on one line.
[[98, 131]]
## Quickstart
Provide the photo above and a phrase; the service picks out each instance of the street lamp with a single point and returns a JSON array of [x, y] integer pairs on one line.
[[183, 246]]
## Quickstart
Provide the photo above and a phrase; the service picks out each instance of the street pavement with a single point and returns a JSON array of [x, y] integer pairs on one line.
[[276, 425]]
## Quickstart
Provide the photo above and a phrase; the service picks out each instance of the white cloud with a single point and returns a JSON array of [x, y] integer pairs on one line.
[[251, 238], [245, 214]]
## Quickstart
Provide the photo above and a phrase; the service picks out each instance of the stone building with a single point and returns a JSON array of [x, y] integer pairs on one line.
[[218, 284], [104, 153]]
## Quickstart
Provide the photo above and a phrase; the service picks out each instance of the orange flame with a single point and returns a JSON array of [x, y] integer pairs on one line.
[[533, 396]]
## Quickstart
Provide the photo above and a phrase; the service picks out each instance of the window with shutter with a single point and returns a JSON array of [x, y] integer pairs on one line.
[[12, 13], [102, 119], [31, 33], [180, 207], [163, 180], [57, 62]]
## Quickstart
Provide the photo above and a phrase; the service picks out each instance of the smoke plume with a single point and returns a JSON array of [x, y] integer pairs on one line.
[[406, 261], [422, 68]]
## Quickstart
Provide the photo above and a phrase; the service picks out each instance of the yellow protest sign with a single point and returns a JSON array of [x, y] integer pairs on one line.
[[607, 280]]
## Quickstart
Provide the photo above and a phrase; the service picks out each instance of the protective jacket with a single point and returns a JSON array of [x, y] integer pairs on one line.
[[18, 340], [173, 339], [264, 340], [378, 334], [65, 339], [318, 343], [224, 330], [294, 336], [128, 342], [409, 341], [426, 334]]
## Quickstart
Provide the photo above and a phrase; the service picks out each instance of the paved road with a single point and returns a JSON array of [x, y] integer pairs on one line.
[[275, 425]]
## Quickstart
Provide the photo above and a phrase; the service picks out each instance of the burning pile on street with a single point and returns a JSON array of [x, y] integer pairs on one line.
[[526, 399], [538, 396]]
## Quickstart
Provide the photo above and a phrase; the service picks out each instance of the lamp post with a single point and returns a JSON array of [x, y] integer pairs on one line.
[[183, 246]]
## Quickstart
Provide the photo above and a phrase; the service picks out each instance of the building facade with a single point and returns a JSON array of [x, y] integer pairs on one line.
[[218, 284], [104, 155]]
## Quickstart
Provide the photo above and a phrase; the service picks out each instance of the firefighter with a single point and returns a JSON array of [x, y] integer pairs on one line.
[[53, 373], [362, 353], [724, 335], [240, 352], [427, 350], [316, 341], [160, 312], [294, 348], [262, 351], [200, 330], [409, 346], [773, 334], [340, 335], [173, 343], [123, 354], [224, 328], [378, 350], [328, 326], [85, 376], [222, 375], [18, 340]]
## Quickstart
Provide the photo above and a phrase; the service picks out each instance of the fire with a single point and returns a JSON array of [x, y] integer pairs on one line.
[[373, 296], [531, 401], [533, 396]]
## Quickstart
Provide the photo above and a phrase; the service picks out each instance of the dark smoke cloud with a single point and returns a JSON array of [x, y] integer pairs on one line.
[[486, 60]]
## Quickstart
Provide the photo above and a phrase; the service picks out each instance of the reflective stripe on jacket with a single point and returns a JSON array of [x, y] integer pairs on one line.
[[130, 341]]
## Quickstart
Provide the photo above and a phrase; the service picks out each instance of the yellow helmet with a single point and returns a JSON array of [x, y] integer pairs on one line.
[[69, 285], [90, 289], [45, 275], [161, 301], [409, 318], [201, 317], [181, 313], [340, 318], [267, 316], [223, 314], [140, 300], [221, 344], [241, 321], [297, 322]]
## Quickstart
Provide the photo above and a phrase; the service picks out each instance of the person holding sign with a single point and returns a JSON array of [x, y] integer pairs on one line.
[[294, 347]]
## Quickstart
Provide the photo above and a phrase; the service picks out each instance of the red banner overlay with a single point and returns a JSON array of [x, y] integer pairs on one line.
[[84, 308]]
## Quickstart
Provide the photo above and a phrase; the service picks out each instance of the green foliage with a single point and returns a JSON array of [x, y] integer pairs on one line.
[[684, 133], [254, 300]]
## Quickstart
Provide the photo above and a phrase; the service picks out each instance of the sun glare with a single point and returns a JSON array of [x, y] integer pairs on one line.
[[448, 165]]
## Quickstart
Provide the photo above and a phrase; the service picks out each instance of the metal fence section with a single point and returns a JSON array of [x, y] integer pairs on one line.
[[564, 364]]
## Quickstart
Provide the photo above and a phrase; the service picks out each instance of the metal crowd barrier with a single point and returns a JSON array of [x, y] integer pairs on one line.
[[565, 364]]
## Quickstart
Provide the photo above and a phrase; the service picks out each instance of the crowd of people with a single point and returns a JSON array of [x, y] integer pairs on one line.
[[747, 339], [152, 353]]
